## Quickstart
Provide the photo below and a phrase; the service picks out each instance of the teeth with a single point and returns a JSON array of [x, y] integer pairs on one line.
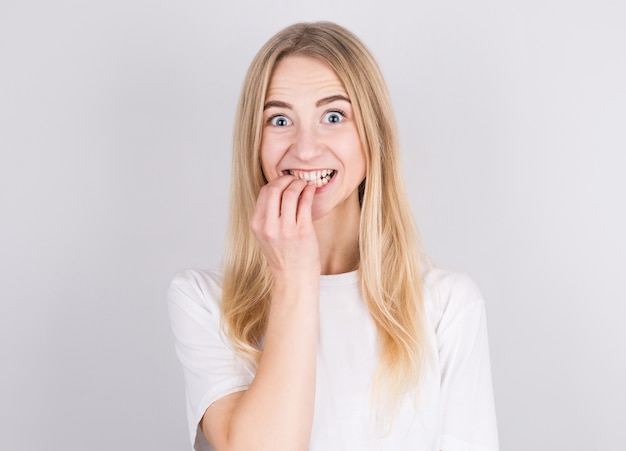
[[317, 178]]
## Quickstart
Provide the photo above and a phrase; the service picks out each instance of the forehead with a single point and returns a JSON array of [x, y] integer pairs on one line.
[[296, 76]]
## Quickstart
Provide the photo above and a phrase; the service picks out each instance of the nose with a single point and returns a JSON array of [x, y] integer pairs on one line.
[[306, 144]]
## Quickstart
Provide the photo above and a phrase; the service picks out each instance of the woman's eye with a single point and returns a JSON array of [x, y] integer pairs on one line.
[[333, 117], [279, 121]]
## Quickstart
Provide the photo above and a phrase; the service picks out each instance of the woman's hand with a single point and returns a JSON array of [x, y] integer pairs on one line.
[[276, 411], [283, 225]]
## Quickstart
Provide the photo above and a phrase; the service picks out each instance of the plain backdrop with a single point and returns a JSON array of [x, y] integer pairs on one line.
[[115, 132]]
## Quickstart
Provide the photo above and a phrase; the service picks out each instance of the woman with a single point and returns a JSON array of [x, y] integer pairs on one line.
[[325, 330]]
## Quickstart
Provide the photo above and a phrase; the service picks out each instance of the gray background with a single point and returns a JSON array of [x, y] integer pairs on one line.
[[115, 126]]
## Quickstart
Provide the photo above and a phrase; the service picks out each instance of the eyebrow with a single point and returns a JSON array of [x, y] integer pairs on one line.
[[276, 104], [331, 99], [324, 101]]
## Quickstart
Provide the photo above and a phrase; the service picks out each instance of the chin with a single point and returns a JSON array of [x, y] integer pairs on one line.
[[318, 212]]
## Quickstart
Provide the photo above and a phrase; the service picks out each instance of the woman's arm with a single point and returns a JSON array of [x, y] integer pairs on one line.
[[276, 412]]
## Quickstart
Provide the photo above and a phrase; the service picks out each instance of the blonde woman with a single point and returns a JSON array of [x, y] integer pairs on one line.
[[325, 329]]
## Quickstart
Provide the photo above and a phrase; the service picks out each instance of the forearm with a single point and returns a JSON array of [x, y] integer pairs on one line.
[[276, 412]]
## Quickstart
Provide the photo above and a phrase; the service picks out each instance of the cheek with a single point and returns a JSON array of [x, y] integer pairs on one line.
[[268, 159], [273, 148], [351, 144], [357, 158]]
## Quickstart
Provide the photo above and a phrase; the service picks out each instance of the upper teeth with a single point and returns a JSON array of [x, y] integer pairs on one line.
[[319, 178]]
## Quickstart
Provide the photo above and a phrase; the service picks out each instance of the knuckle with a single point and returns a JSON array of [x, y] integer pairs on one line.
[[272, 189], [291, 194], [268, 232]]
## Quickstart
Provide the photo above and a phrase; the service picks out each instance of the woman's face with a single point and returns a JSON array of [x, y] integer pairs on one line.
[[309, 132]]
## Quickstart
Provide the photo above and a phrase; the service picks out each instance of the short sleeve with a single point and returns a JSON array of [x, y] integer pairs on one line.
[[210, 366], [468, 411]]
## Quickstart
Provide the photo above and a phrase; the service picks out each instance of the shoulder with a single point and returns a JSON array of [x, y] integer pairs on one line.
[[451, 286], [450, 294], [200, 287]]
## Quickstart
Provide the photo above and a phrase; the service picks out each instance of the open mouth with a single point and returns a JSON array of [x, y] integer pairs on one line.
[[317, 178]]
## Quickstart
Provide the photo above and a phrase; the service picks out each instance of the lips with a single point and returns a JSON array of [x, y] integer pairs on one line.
[[317, 178]]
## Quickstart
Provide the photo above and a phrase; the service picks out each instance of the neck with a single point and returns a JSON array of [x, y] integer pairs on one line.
[[338, 238]]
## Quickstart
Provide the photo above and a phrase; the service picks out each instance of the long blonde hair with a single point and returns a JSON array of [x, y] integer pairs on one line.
[[389, 251]]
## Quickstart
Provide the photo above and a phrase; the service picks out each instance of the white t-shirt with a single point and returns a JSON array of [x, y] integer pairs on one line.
[[454, 410]]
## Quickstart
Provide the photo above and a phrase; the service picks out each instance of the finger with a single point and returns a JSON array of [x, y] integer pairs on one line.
[[305, 206], [290, 199], [270, 197]]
